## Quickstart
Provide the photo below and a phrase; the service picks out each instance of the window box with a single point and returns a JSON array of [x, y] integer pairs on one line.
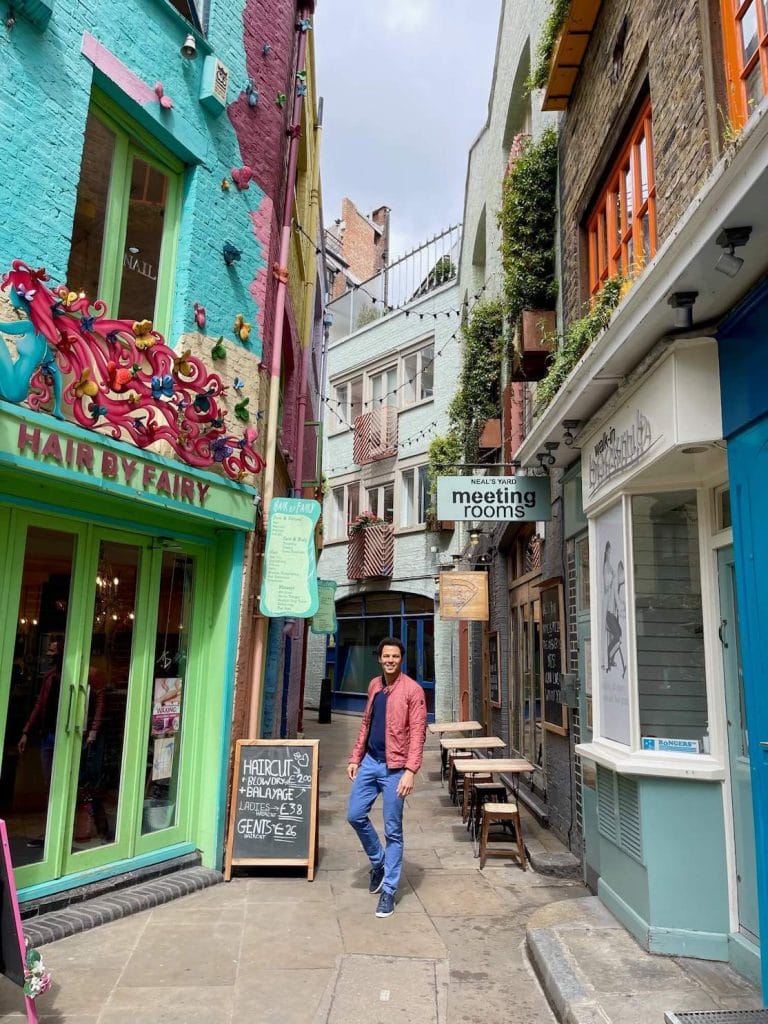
[[375, 435], [534, 344], [435, 525], [371, 552]]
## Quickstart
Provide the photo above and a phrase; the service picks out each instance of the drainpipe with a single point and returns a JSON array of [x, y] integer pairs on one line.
[[281, 272]]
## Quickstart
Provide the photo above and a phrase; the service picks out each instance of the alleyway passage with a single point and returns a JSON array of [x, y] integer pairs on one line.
[[280, 950]]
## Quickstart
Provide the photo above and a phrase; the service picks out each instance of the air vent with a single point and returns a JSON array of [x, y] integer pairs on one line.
[[618, 811]]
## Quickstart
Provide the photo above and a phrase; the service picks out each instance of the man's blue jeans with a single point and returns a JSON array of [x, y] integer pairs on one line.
[[373, 778]]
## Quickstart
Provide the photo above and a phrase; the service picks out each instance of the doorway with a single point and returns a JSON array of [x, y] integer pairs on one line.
[[738, 752], [93, 671]]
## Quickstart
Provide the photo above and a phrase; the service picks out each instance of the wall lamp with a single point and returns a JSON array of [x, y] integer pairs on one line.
[[728, 239], [188, 48], [474, 538], [230, 253], [569, 431], [683, 302]]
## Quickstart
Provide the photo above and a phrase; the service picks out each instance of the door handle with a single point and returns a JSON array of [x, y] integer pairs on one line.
[[764, 744], [80, 715], [68, 726], [723, 622]]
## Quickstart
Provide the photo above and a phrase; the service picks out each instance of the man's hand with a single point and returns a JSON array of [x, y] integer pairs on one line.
[[351, 771], [405, 785]]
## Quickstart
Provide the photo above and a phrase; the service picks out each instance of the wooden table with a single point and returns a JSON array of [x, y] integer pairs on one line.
[[439, 728], [489, 743], [515, 766]]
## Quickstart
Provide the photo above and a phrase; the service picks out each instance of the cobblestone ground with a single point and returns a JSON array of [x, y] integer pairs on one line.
[[280, 950]]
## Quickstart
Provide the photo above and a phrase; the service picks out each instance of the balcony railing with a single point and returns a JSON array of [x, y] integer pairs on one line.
[[375, 435], [371, 552]]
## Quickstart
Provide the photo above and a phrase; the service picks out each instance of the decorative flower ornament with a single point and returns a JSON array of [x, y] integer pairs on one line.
[[36, 978], [241, 410], [182, 365], [142, 330], [242, 329], [199, 315], [86, 386], [219, 351]]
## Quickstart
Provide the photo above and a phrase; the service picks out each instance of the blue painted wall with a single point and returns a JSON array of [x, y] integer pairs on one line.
[[743, 352], [45, 88]]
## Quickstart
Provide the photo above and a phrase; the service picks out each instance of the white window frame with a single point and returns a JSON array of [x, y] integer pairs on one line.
[[370, 404], [418, 353], [419, 523], [340, 414], [631, 759], [337, 533], [380, 488]]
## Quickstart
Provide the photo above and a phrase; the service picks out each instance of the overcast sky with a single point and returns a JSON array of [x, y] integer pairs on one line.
[[405, 85]]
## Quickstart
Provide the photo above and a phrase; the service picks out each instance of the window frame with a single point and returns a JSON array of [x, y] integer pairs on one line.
[[342, 419], [601, 224], [418, 354], [131, 142], [347, 486], [737, 70], [370, 404], [380, 490], [419, 470]]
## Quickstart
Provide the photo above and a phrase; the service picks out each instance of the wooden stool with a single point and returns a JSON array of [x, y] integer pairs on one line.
[[470, 781], [501, 814], [482, 793], [453, 774]]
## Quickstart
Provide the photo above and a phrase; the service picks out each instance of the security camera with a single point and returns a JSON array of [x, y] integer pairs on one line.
[[189, 47]]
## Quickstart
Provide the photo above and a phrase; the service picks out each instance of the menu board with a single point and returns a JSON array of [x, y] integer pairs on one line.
[[324, 619], [553, 656], [493, 670], [273, 817], [289, 584]]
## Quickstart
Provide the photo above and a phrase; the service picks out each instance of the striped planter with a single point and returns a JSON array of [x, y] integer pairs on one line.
[[375, 435], [371, 552]]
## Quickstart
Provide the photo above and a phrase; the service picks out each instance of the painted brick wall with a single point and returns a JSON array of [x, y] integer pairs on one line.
[[664, 40]]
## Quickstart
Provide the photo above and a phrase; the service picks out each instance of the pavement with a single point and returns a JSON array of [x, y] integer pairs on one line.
[[464, 946]]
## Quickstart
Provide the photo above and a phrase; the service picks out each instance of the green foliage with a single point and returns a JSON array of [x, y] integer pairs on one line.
[[527, 221], [478, 396], [366, 316], [546, 47], [578, 336], [444, 270]]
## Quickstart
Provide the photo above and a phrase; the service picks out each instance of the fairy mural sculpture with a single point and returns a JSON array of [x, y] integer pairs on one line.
[[116, 376]]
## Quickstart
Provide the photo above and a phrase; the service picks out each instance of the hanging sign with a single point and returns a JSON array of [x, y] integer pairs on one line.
[[273, 819], [464, 595], [518, 499], [324, 619], [289, 584]]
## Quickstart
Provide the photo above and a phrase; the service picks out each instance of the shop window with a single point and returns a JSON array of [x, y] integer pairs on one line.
[[621, 226], [126, 219], [671, 679], [381, 501], [745, 29], [193, 10], [418, 375], [345, 506], [414, 496]]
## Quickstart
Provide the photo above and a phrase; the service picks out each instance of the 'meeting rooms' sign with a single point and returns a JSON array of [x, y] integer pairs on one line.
[[498, 498]]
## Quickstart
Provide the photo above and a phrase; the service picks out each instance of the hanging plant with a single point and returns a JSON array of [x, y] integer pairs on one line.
[[545, 48], [577, 338], [527, 221]]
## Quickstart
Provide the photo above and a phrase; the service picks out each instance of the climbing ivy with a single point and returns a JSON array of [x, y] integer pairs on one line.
[[550, 30], [478, 397], [577, 338], [527, 221]]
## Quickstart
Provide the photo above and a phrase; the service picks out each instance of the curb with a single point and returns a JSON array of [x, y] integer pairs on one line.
[[570, 996]]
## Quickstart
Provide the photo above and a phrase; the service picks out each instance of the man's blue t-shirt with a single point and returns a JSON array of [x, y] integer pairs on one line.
[[377, 732]]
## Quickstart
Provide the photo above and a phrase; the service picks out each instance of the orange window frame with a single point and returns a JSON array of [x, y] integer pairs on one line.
[[742, 69], [621, 233]]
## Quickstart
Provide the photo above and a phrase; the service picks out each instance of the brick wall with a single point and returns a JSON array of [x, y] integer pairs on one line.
[[664, 43]]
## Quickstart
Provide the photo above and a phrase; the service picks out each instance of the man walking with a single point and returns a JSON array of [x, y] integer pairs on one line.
[[385, 759]]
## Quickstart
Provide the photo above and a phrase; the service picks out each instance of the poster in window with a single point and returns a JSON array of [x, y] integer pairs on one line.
[[166, 706], [553, 655], [611, 626], [494, 674]]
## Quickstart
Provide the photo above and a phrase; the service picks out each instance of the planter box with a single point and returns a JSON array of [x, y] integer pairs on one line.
[[534, 344], [371, 552], [375, 436]]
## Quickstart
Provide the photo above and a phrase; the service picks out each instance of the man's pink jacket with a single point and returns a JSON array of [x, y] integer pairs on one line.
[[406, 724]]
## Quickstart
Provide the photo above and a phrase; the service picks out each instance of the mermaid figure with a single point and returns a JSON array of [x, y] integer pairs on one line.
[[34, 351]]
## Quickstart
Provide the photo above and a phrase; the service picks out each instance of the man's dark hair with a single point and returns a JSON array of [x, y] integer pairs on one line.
[[390, 641]]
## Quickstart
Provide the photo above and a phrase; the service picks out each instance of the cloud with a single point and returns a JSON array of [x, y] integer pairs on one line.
[[407, 15]]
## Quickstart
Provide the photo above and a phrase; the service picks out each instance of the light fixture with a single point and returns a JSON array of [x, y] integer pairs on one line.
[[569, 428], [189, 47], [252, 93], [456, 556], [10, 17], [551, 447], [728, 239], [230, 253], [682, 303], [474, 538]]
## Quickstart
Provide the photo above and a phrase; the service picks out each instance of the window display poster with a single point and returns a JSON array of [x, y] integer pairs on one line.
[[166, 706], [611, 626], [162, 758]]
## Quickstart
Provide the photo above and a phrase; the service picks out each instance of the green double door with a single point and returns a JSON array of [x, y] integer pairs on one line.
[[95, 693]]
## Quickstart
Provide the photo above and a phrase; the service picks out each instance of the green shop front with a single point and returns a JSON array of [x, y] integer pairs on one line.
[[669, 842], [119, 609]]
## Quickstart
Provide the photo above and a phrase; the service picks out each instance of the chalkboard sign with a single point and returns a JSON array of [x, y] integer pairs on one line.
[[273, 818], [553, 656], [12, 946]]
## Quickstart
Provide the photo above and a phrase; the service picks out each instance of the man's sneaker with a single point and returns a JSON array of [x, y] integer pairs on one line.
[[377, 880], [386, 907]]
